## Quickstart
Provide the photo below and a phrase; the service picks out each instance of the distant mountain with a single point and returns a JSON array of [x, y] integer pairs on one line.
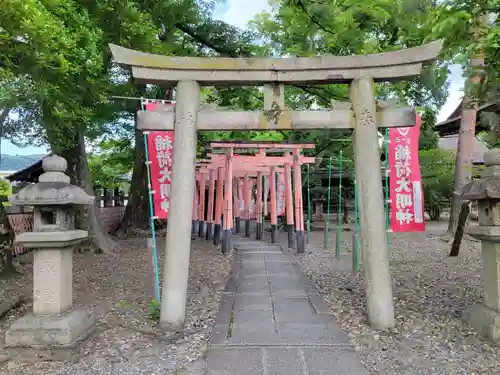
[[18, 162]]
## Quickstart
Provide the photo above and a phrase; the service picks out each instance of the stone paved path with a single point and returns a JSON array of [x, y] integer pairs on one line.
[[272, 321]]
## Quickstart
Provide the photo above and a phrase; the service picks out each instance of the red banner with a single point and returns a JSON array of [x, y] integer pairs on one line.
[[406, 195], [281, 195], [160, 152]]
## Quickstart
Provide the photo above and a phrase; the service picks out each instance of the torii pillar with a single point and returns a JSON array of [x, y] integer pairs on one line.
[[201, 225], [260, 228], [194, 225], [236, 206], [289, 205], [274, 218], [210, 208], [299, 213], [218, 207], [178, 243], [227, 243]]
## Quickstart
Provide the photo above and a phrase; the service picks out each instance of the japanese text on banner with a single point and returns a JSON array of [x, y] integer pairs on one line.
[[405, 181], [281, 194], [160, 150]]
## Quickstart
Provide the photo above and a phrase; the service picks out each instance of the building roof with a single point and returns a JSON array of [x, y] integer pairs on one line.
[[452, 124], [451, 143], [28, 174]]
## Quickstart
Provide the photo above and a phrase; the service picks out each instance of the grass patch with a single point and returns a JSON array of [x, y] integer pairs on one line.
[[154, 311], [230, 323]]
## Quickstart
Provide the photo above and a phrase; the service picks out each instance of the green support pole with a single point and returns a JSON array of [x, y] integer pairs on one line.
[[327, 223], [339, 208], [386, 137], [308, 204], [276, 175], [356, 229], [152, 217]]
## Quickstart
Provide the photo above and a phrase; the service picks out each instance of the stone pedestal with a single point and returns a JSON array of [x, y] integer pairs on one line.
[[485, 318], [52, 280], [54, 329], [318, 209], [42, 331]]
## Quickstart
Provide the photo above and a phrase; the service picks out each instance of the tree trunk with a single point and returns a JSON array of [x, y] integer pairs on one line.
[[345, 208], [463, 169], [87, 217], [6, 244], [4, 113], [136, 213], [459, 234], [466, 136]]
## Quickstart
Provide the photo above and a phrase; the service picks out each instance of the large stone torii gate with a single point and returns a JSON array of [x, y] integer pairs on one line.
[[364, 115]]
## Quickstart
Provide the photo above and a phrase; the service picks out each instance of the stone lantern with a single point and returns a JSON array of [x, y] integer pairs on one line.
[[485, 318], [54, 324]]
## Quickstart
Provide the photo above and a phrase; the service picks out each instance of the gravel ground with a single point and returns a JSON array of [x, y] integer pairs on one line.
[[430, 292], [119, 288]]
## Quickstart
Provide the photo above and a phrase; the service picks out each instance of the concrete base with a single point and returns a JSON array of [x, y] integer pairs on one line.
[[194, 228], [291, 237], [209, 231], [274, 233], [56, 335], [201, 229], [301, 241], [247, 228], [237, 225], [259, 231], [217, 234], [227, 243], [483, 320]]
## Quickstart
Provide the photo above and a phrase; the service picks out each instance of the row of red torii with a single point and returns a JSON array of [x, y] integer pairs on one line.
[[362, 115], [227, 169]]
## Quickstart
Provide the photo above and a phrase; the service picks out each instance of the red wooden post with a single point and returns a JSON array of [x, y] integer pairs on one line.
[[299, 214], [274, 218], [289, 204], [247, 196], [236, 205], [258, 210], [218, 207], [195, 211], [266, 196], [210, 208], [228, 205], [201, 226]]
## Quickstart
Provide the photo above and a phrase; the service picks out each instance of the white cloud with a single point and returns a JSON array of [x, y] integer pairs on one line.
[[239, 12]]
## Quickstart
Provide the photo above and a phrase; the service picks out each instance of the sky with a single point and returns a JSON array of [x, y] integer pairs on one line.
[[239, 13]]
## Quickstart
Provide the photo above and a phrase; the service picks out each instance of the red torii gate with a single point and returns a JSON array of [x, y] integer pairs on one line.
[[208, 172], [229, 159]]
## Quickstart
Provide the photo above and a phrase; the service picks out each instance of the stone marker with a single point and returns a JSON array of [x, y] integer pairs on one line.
[[54, 325]]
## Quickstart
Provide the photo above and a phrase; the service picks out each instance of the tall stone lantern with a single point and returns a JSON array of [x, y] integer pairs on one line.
[[485, 318], [53, 324]]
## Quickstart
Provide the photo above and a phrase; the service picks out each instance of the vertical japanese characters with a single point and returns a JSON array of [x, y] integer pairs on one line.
[[160, 150], [406, 196], [281, 195]]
